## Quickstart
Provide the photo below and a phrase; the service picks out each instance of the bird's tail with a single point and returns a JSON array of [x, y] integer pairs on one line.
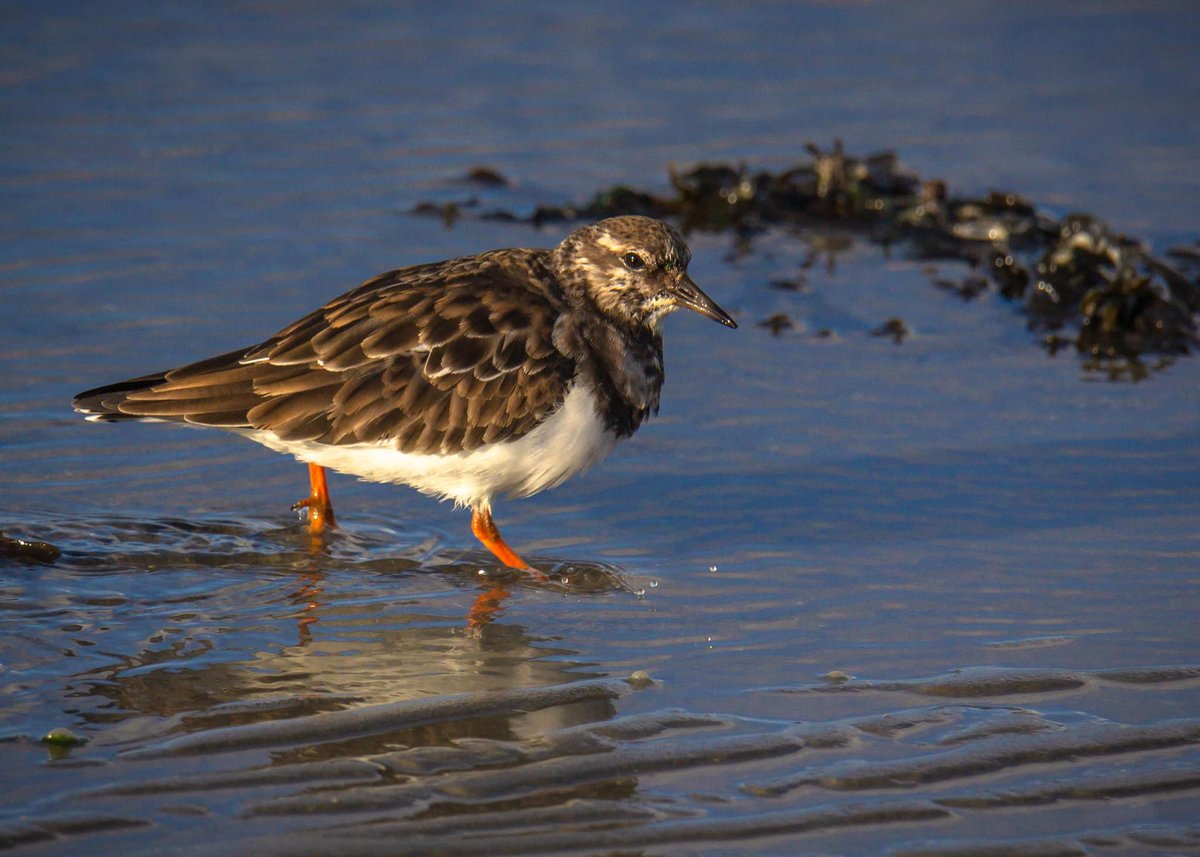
[[218, 391], [102, 404]]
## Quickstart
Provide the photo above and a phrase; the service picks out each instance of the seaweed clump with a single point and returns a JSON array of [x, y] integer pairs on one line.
[[1078, 283], [24, 549]]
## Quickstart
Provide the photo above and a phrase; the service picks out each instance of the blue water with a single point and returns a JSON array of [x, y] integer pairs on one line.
[[183, 179]]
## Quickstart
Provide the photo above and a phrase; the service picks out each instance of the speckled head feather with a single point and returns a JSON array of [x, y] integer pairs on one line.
[[633, 270]]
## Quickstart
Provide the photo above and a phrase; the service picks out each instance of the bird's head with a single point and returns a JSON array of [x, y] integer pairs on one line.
[[633, 270]]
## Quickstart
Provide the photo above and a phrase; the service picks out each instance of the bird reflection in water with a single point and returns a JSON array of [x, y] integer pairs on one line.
[[306, 597], [498, 583], [488, 606]]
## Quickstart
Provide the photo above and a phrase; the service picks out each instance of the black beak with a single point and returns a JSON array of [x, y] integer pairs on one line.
[[688, 294]]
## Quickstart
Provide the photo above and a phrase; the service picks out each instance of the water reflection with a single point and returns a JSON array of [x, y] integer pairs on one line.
[[350, 637], [236, 670]]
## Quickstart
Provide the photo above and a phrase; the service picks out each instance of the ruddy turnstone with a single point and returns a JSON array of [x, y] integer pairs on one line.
[[501, 373]]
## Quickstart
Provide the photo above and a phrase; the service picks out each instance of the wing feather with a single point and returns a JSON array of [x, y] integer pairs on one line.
[[442, 357]]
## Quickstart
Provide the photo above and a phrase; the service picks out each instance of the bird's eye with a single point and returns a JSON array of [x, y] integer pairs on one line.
[[633, 261]]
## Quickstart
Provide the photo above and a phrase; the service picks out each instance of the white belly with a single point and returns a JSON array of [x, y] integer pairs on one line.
[[570, 441]]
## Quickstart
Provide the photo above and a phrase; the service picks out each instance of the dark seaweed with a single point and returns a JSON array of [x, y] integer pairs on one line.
[[1077, 282]]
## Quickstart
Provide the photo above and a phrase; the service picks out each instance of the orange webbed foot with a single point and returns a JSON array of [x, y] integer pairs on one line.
[[488, 533], [320, 508]]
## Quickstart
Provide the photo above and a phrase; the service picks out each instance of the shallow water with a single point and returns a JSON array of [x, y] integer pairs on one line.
[[926, 598]]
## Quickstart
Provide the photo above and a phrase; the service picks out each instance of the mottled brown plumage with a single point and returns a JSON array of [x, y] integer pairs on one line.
[[440, 358], [429, 375]]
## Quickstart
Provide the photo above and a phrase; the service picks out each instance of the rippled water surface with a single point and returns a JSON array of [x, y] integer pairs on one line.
[[842, 597]]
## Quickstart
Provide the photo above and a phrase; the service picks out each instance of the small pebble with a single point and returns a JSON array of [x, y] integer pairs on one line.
[[640, 679], [63, 737]]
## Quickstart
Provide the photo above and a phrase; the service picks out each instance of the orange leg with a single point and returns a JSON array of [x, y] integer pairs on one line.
[[485, 530], [320, 509]]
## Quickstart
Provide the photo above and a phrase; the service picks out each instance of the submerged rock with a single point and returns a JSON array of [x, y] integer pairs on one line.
[[777, 323], [23, 549], [895, 328]]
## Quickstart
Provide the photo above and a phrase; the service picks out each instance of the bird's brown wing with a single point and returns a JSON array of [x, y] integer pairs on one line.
[[439, 358]]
